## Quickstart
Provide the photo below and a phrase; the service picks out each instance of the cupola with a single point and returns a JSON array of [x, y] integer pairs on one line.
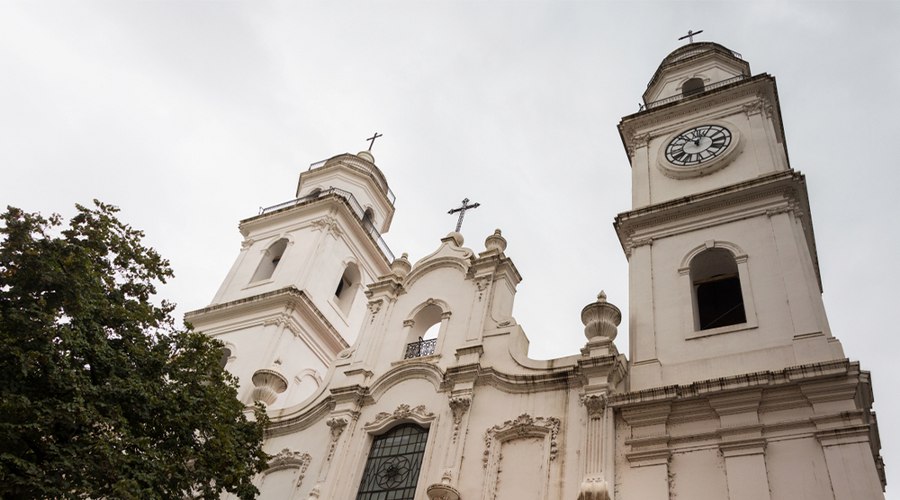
[[357, 179], [692, 69]]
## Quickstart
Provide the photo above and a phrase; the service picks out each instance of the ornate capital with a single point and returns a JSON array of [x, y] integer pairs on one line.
[[482, 282], [337, 426], [374, 307], [753, 108], [459, 405], [328, 224], [594, 403]]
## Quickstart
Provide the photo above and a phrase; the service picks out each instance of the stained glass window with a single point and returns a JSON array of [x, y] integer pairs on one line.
[[393, 467]]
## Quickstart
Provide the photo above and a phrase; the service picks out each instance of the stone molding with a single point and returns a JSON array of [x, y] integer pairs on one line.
[[766, 379], [523, 426], [781, 190], [419, 414], [411, 369], [286, 459], [521, 384]]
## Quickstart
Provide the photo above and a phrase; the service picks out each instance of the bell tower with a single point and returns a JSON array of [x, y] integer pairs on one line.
[[723, 271], [293, 299]]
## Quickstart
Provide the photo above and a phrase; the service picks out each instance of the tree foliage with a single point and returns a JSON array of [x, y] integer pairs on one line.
[[101, 396]]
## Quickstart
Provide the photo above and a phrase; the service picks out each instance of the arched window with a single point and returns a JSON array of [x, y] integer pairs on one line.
[[270, 260], [716, 285], [392, 469], [368, 218], [347, 287], [692, 86], [422, 337]]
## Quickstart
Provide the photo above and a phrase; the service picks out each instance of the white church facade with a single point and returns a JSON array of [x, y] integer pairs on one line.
[[386, 379]]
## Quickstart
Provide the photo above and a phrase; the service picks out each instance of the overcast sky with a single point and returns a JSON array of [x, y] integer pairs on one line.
[[192, 115]]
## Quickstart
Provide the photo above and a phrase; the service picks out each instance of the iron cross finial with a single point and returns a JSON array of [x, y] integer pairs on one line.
[[372, 140], [462, 212], [690, 35]]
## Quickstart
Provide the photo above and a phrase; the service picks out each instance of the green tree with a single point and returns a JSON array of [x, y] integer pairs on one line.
[[101, 396]]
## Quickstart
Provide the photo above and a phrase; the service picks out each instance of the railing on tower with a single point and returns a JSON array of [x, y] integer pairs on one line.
[[354, 206], [678, 97], [420, 348], [321, 163]]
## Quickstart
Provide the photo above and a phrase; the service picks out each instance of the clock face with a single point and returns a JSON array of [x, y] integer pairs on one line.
[[698, 145]]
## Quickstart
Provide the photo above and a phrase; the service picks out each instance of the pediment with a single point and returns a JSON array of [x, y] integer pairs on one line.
[[450, 254]]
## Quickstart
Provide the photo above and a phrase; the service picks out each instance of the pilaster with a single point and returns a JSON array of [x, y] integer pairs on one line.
[[742, 445]]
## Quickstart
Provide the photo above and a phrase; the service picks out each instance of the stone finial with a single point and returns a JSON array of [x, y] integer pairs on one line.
[[495, 242], [401, 266], [268, 384], [456, 237], [600, 319], [365, 155]]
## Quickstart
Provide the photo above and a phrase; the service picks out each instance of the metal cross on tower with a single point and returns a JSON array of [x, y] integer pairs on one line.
[[462, 212], [372, 140], [690, 35]]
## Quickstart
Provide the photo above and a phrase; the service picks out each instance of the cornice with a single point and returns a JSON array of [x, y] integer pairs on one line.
[[837, 369], [529, 383], [289, 298], [293, 211], [769, 195], [279, 425]]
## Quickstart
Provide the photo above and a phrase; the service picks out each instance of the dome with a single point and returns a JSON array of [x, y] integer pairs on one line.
[[692, 52]]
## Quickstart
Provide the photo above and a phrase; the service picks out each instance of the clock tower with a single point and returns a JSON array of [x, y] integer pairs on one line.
[[724, 276], [732, 364]]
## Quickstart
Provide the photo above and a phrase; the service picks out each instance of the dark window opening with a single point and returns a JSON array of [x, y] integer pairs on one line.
[[718, 300], [392, 469], [347, 287], [719, 303], [270, 261], [342, 285], [692, 86]]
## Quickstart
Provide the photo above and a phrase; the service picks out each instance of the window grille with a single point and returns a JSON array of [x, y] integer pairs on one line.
[[392, 469]]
